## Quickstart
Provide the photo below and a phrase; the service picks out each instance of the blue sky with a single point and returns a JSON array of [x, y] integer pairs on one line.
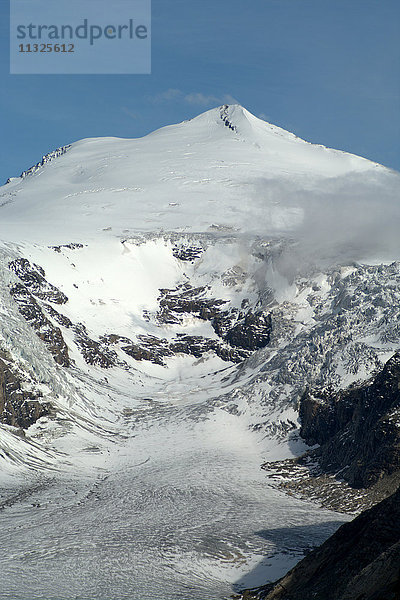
[[327, 70]]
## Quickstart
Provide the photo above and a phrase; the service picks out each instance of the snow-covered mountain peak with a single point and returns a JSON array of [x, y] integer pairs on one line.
[[237, 119], [233, 121], [232, 116], [225, 170]]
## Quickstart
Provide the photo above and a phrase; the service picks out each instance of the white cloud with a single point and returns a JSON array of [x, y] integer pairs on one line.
[[354, 217], [167, 96], [205, 100], [199, 98], [130, 113], [193, 98]]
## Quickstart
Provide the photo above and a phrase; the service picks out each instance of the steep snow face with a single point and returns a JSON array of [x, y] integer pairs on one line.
[[171, 297]]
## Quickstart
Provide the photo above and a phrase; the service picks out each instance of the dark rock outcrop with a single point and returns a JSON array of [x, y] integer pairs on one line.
[[223, 112], [33, 278], [238, 328], [185, 299], [197, 346], [18, 407], [34, 288], [71, 246], [358, 429], [156, 349], [251, 332], [361, 561], [323, 414], [95, 353], [44, 329], [152, 348], [187, 253], [58, 317]]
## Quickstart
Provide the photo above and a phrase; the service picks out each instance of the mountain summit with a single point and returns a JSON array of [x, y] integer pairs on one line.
[[224, 168]]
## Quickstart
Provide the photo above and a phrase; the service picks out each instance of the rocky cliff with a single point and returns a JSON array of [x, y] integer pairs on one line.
[[19, 407], [357, 429]]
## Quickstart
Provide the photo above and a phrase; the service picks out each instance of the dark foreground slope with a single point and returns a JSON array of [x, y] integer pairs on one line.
[[361, 561]]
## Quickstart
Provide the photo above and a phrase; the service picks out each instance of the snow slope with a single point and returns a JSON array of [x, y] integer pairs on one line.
[[145, 482], [193, 176]]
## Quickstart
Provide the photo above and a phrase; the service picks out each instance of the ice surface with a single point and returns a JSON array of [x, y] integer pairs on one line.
[[178, 510]]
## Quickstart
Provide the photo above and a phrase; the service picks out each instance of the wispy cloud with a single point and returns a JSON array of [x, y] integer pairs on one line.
[[200, 99], [166, 96], [193, 98], [130, 113]]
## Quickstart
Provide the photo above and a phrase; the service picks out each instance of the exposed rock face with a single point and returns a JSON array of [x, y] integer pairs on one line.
[[18, 408], [322, 416], [95, 353], [253, 331], [358, 461], [361, 561], [186, 299], [71, 246], [154, 352], [43, 327], [156, 349], [358, 429], [197, 346], [35, 284], [33, 278], [187, 253], [58, 317], [239, 329], [224, 114]]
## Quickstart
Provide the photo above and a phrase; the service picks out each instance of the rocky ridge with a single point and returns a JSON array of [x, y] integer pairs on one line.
[[224, 114], [45, 159]]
